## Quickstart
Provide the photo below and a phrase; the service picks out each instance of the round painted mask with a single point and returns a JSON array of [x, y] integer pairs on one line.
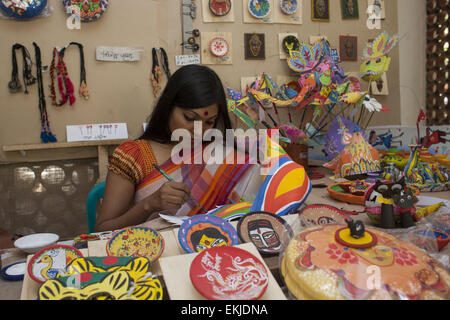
[[205, 231], [265, 230]]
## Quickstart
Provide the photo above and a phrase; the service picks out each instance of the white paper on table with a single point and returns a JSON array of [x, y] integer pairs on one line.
[[174, 219]]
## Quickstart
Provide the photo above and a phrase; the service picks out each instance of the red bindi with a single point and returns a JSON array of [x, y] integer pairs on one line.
[[206, 113]]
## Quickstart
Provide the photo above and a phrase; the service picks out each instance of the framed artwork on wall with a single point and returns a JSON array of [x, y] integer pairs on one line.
[[320, 10], [376, 9], [254, 45], [380, 87], [348, 48], [350, 9]]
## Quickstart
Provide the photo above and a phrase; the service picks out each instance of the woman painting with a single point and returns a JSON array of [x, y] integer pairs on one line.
[[136, 192]]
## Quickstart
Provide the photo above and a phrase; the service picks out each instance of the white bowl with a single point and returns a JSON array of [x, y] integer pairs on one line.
[[35, 242]]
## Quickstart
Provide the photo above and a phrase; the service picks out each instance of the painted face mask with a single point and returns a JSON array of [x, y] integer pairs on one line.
[[375, 59]]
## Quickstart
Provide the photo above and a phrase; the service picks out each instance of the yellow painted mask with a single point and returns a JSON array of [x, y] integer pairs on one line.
[[375, 59]]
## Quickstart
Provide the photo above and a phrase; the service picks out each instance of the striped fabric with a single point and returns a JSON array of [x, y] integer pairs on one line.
[[211, 184]]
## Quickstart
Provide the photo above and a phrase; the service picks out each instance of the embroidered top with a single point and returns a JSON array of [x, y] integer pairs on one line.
[[133, 160]]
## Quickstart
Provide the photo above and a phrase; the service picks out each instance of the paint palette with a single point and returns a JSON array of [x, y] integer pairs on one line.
[[259, 8], [205, 231], [219, 46], [136, 242], [228, 273], [50, 262], [265, 230]]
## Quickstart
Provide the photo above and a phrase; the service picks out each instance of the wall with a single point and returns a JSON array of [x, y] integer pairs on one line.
[[121, 92], [412, 30]]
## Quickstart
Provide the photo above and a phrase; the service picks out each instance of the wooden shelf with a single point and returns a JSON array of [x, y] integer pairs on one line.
[[58, 145]]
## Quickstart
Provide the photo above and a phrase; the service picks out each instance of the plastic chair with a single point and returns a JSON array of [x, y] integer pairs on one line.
[[93, 197]]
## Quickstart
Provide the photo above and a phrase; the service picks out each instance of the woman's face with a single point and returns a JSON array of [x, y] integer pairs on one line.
[[185, 118]]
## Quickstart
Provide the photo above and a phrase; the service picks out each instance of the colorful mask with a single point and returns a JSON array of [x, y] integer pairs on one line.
[[376, 62]]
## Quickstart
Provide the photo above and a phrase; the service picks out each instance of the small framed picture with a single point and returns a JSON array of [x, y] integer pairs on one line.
[[380, 87], [255, 48], [348, 48], [350, 9], [320, 10]]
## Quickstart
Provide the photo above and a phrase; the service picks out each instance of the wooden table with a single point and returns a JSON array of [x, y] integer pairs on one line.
[[319, 195]]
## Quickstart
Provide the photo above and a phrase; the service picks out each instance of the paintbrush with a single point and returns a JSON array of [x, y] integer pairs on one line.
[[170, 179]]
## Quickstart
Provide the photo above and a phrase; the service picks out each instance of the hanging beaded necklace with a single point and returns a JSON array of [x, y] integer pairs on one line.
[[14, 85], [64, 81], [46, 132], [65, 85], [83, 90]]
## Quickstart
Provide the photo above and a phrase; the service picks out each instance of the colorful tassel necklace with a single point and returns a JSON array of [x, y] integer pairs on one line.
[[46, 132], [83, 90], [64, 81]]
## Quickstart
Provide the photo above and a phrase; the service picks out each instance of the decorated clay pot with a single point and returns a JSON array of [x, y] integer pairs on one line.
[[316, 266]]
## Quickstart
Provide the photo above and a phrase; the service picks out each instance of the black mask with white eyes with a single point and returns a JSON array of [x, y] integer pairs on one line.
[[405, 199], [388, 189]]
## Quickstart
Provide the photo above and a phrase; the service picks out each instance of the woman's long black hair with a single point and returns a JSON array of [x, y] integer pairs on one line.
[[190, 87]]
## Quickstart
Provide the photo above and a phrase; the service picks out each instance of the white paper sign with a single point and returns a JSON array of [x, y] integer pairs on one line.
[[185, 60], [97, 132], [118, 54]]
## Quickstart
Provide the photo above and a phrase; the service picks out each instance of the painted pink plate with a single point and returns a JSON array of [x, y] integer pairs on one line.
[[219, 46], [228, 273]]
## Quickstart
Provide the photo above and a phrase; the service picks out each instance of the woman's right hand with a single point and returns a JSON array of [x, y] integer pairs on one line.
[[171, 195]]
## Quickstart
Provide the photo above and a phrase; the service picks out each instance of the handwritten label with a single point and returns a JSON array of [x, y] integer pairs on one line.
[[118, 54], [97, 132], [185, 60]]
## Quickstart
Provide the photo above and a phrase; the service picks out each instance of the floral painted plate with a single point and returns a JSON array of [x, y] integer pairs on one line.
[[136, 242], [90, 10], [219, 46], [50, 262], [259, 8], [288, 6], [204, 231], [228, 273]]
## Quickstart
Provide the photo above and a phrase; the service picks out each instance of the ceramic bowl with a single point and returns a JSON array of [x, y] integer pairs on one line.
[[35, 242]]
